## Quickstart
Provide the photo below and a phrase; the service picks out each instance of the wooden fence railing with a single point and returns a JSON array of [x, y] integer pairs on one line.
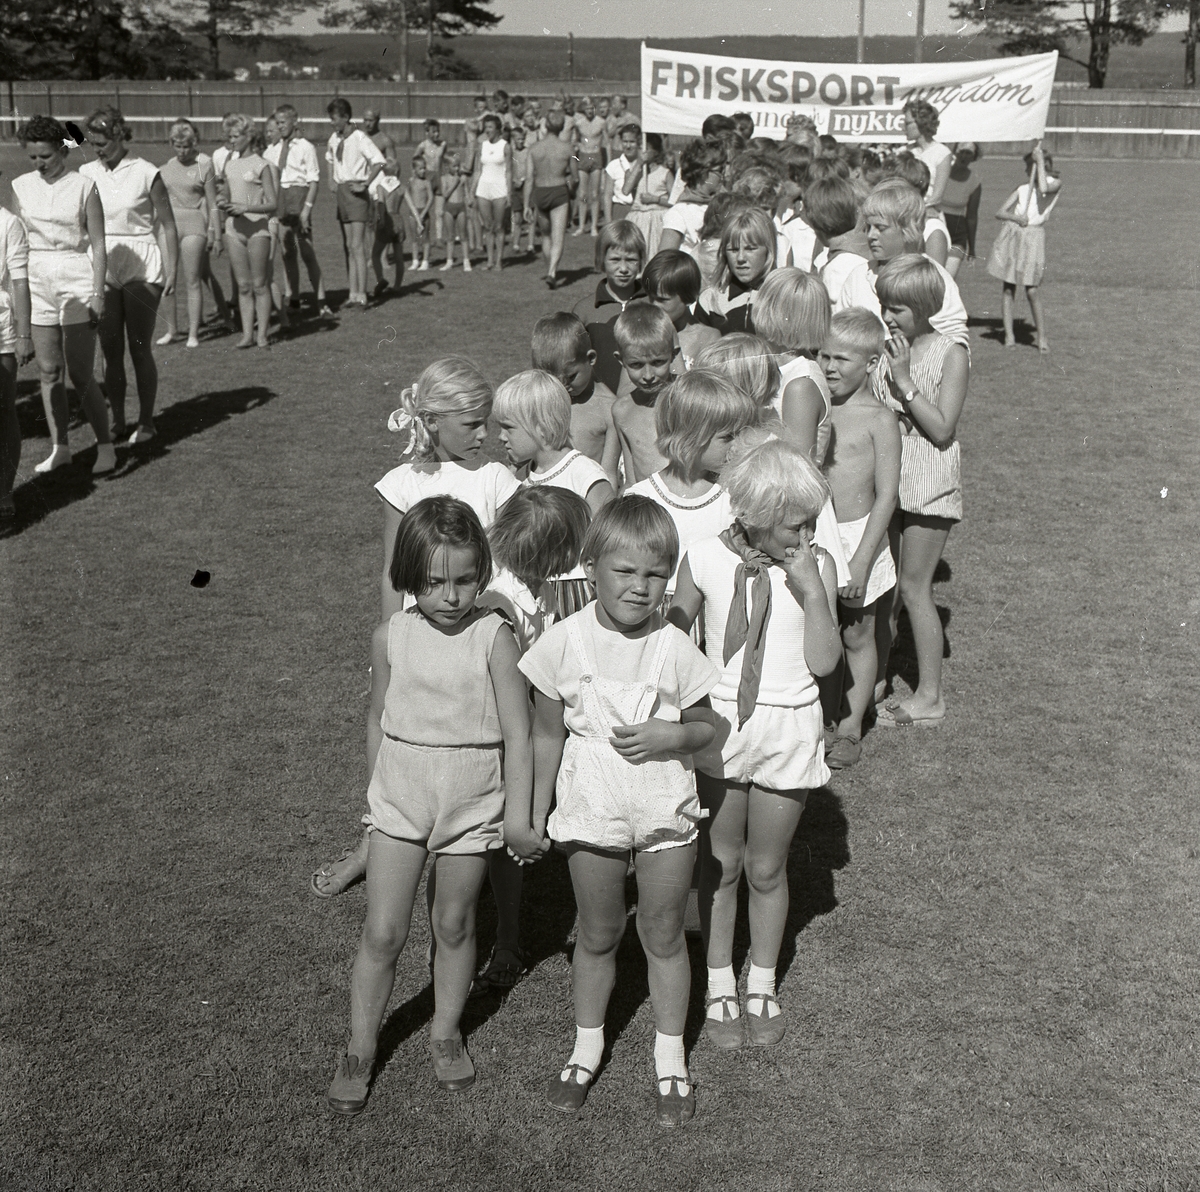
[[1082, 123]]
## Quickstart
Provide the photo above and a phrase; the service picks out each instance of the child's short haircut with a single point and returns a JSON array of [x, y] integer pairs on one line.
[[746, 361], [899, 203], [633, 128], [539, 404], [428, 528], [761, 185], [911, 280], [673, 274], [913, 170], [772, 483], [860, 329], [452, 385], [754, 227], [644, 327], [432, 123], [693, 409], [622, 234], [722, 207], [792, 310], [632, 523], [558, 342], [339, 107], [538, 533], [821, 169], [830, 207]]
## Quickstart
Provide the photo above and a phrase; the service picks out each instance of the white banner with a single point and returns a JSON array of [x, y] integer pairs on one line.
[[1001, 99]]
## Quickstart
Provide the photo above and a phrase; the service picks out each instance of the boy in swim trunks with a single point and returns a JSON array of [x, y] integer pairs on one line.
[[454, 199], [553, 176]]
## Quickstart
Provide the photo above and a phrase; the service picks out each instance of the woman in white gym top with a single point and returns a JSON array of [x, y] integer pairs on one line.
[[64, 219], [134, 196]]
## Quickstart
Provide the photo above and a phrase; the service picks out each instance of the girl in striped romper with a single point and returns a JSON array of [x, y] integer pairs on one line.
[[923, 378]]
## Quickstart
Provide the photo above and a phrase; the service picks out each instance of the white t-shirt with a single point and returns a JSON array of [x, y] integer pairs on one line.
[[485, 488], [301, 167], [575, 471], [687, 219], [848, 278], [530, 614], [552, 666], [933, 155], [786, 681], [54, 213], [616, 170], [695, 518], [125, 193], [795, 236], [358, 154]]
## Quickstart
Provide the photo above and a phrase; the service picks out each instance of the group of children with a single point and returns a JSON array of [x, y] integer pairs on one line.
[[652, 631]]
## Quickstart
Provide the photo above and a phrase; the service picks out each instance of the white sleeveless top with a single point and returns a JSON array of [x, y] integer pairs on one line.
[[54, 213], [493, 183], [803, 369], [125, 193]]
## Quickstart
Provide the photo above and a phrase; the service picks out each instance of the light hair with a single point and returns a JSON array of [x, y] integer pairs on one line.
[[911, 280], [860, 329], [184, 125], [900, 204], [913, 170], [109, 121], [792, 310], [237, 123], [759, 183], [643, 327], [559, 341], [745, 361], [752, 225], [539, 404], [622, 234], [538, 533], [692, 410], [632, 522], [286, 109], [258, 141], [772, 482], [452, 385]]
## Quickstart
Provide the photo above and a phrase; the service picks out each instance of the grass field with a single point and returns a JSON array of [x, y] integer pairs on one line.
[[1156, 63], [991, 962]]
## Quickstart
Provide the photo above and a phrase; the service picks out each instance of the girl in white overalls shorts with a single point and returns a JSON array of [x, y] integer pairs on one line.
[[617, 696]]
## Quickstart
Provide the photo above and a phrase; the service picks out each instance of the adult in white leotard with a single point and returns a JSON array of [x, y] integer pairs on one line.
[[492, 187], [134, 196], [64, 219]]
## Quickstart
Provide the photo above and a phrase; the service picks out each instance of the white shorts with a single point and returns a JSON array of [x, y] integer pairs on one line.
[[60, 284], [882, 576], [779, 749], [134, 258]]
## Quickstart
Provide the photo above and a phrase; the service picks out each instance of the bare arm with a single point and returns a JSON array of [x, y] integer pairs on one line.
[[610, 457], [802, 411], [381, 676], [1006, 212], [599, 495], [937, 247], [938, 422], [937, 183], [812, 589], [23, 311], [670, 240], [549, 737], [166, 218], [885, 434], [512, 703], [95, 230]]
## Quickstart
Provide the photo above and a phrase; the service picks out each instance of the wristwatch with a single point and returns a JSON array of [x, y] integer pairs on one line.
[[907, 398]]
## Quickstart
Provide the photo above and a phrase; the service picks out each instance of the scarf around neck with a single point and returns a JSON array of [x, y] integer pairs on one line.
[[752, 633]]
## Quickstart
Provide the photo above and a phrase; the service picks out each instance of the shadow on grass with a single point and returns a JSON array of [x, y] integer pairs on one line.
[[40, 496], [993, 329]]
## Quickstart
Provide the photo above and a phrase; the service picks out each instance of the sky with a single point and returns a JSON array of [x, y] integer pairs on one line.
[[707, 18]]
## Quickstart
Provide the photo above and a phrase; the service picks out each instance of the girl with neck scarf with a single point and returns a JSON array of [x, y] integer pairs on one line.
[[768, 594]]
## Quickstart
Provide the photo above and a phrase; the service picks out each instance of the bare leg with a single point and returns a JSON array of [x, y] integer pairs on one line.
[[191, 256], [312, 267], [887, 611], [112, 345], [558, 234], [48, 344], [260, 276], [1006, 313], [594, 200], [223, 311], [599, 883], [392, 879], [79, 344], [862, 664], [1033, 294], [141, 314], [664, 878], [923, 546], [459, 880], [356, 248], [771, 823], [239, 264], [722, 854]]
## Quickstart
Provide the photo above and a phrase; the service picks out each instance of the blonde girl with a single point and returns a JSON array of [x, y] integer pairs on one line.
[[447, 705], [748, 362], [792, 315], [442, 422], [1018, 256], [924, 380], [768, 593], [746, 256], [617, 707], [533, 413], [697, 418], [191, 184]]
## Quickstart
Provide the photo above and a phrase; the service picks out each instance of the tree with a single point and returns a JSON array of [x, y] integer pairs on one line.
[[1038, 26], [396, 18], [243, 22]]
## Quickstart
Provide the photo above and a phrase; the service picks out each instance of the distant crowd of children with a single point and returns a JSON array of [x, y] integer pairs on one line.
[[662, 621]]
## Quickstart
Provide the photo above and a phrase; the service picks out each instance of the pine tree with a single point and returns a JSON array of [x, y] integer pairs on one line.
[[243, 22]]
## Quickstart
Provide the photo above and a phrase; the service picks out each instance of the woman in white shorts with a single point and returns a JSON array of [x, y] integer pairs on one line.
[[253, 184], [134, 196], [64, 219]]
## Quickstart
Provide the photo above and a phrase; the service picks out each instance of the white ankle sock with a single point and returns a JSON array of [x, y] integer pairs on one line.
[[669, 1059], [589, 1046], [59, 457], [760, 983], [722, 983]]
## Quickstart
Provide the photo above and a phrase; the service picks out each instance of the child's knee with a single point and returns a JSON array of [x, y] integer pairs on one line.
[[660, 929], [765, 874], [452, 926], [913, 587], [600, 937], [859, 633], [384, 940]]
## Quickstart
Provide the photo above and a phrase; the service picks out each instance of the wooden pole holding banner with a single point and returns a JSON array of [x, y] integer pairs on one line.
[[571, 56], [919, 46], [861, 48]]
